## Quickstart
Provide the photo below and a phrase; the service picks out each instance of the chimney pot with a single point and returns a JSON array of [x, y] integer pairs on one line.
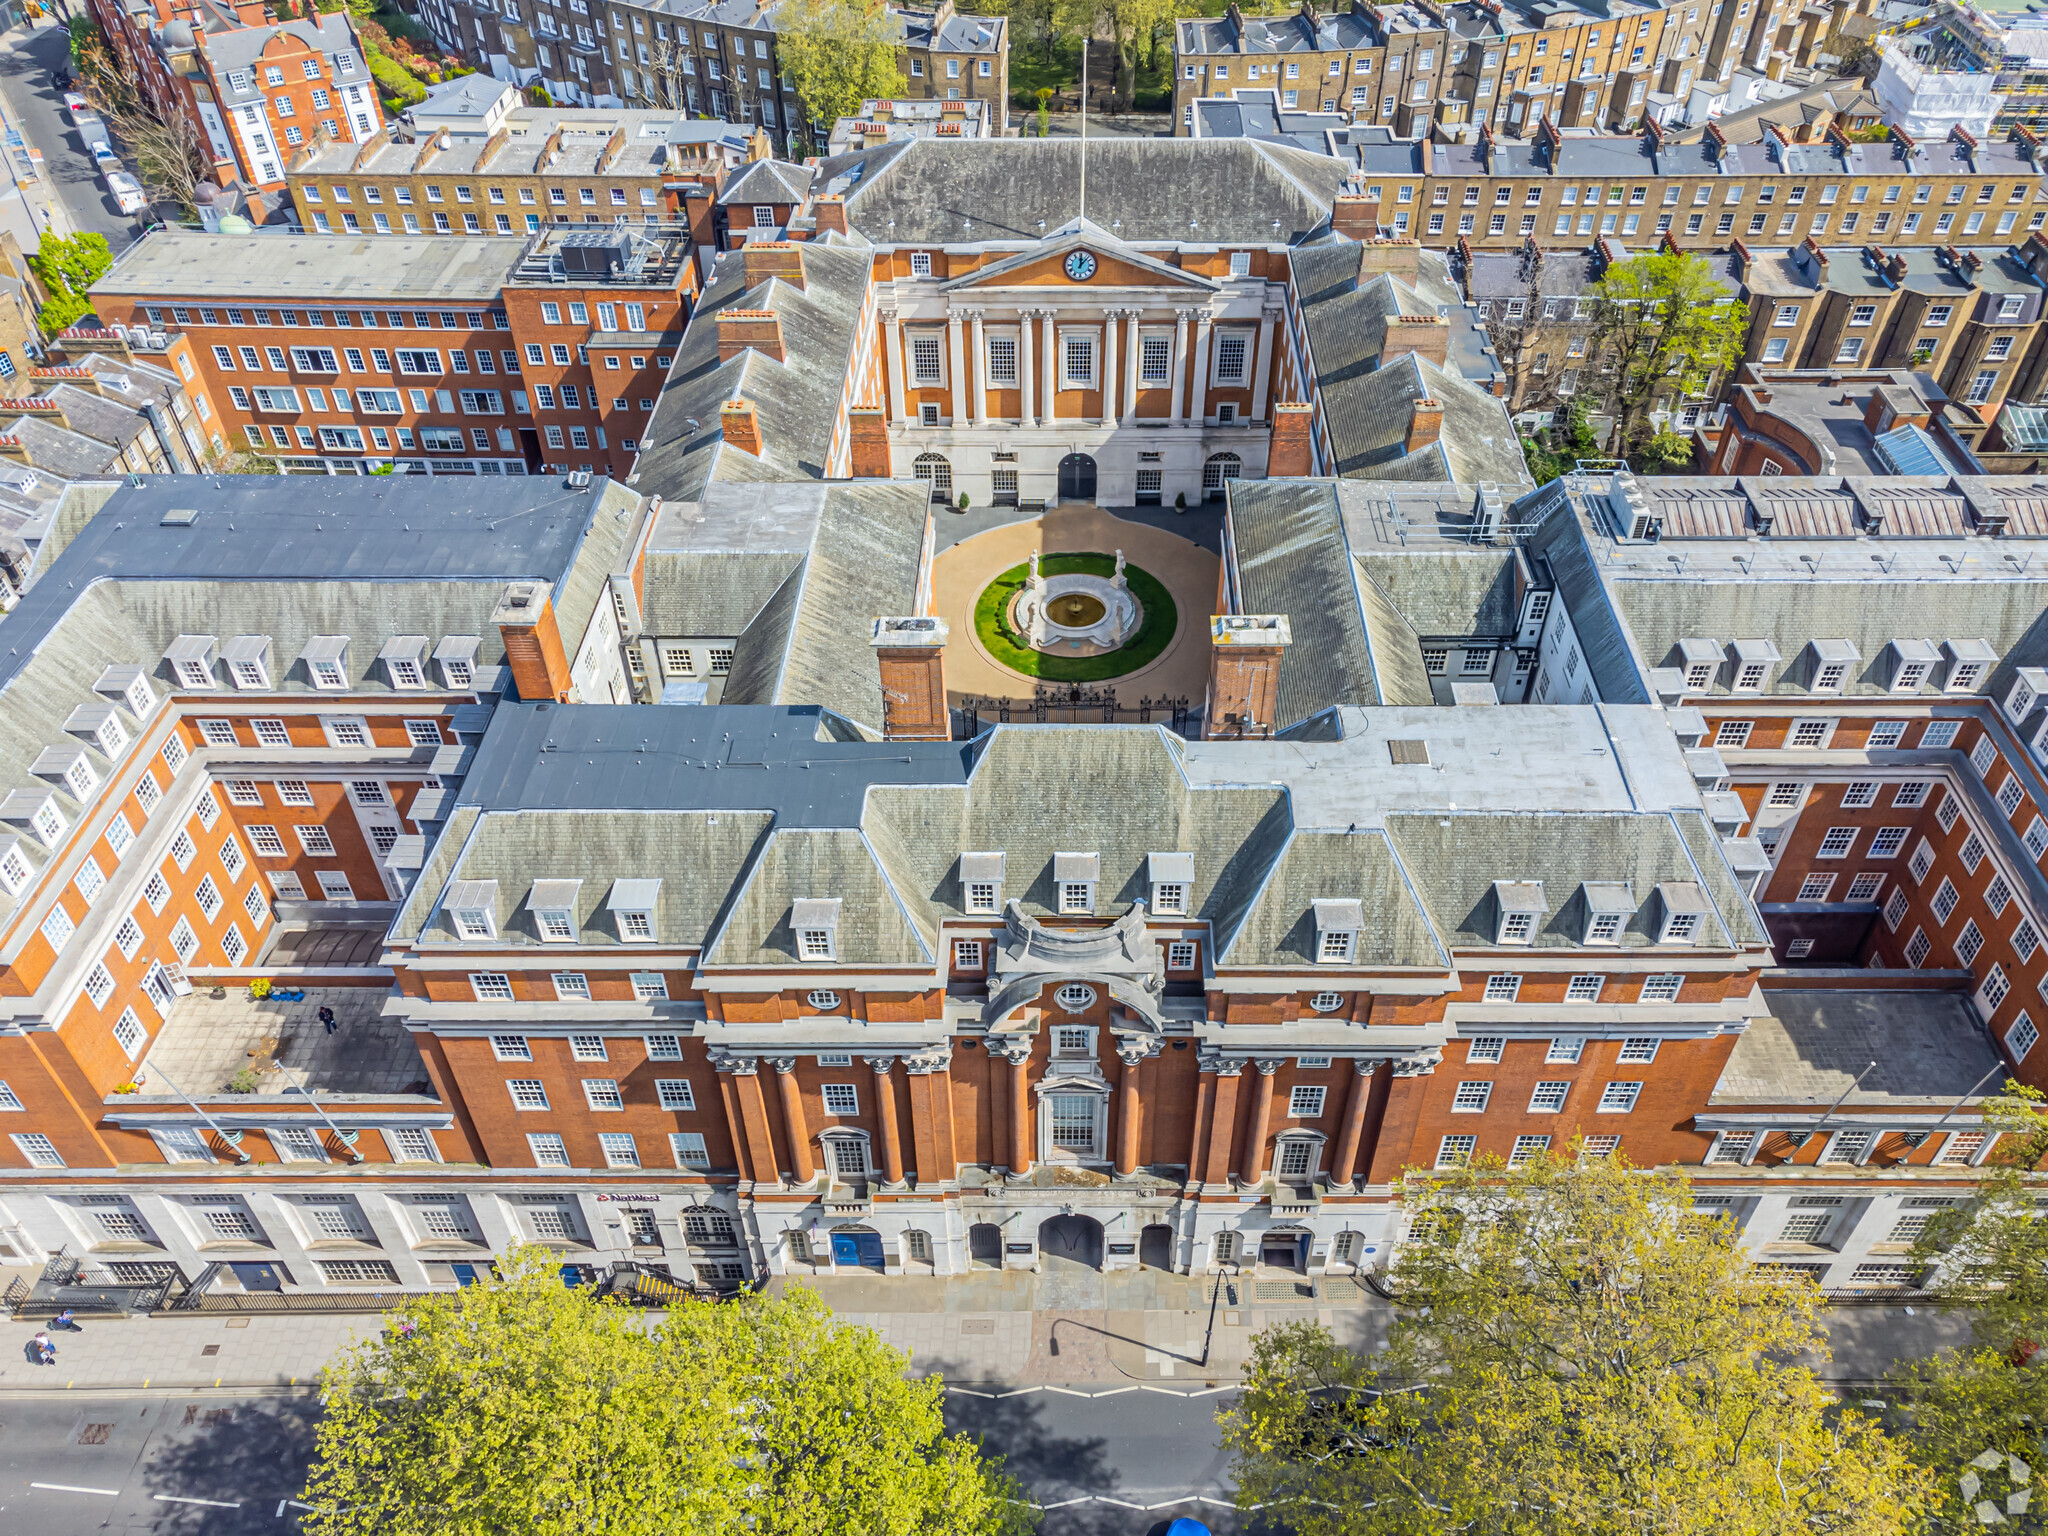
[[1291, 455], [773, 258], [741, 425], [742, 329], [1425, 423], [868, 432]]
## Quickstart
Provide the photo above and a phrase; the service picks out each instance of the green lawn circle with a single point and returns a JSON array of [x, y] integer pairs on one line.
[[1155, 628]]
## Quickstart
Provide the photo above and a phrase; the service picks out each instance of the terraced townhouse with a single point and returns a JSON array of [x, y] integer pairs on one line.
[[1418, 65], [716, 59]]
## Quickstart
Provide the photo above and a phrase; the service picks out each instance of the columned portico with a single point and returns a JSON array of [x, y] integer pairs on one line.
[[1199, 409], [1183, 319], [892, 332], [977, 388], [1128, 412]]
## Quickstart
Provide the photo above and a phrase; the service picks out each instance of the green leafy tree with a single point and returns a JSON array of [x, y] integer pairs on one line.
[[1668, 452], [1558, 448], [839, 53], [522, 1405], [1665, 324], [1044, 111], [1993, 1251], [68, 266], [402, 88], [1572, 1351]]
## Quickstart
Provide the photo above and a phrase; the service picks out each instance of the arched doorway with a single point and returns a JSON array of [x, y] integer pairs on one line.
[[1077, 478], [1221, 467], [1155, 1247], [985, 1245], [1073, 1239], [1285, 1249], [935, 471]]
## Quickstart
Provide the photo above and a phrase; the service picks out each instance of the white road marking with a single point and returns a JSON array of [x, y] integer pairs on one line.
[[172, 1498], [112, 1493]]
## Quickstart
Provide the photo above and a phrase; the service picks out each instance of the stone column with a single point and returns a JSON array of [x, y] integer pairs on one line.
[[892, 330], [930, 1082], [1341, 1170], [1130, 379], [753, 1105], [1027, 373], [977, 398], [1181, 320], [958, 379], [1049, 329], [1133, 1059], [1200, 364], [1262, 369], [800, 1164], [885, 1112], [1253, 1169]]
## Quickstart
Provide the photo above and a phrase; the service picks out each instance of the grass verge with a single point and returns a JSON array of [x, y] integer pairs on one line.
[[1155, 629]]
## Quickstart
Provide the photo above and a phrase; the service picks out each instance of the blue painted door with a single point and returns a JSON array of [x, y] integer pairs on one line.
[[858, 1248]]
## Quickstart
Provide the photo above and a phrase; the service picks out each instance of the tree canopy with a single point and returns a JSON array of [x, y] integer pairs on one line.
[[525, 1405], [1574, 1352], [68, 266], [1664, 325], [839, 53]]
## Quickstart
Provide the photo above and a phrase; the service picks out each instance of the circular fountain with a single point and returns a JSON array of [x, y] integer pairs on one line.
[[1076, 614]]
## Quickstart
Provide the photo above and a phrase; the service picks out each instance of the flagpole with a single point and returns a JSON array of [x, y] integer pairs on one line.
[[1084, 124]]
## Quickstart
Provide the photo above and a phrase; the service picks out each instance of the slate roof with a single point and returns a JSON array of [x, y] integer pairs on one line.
[[797, 399], [1163, 190], [310, 268], [767, 181]]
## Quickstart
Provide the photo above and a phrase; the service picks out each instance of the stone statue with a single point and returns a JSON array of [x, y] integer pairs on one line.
[[1119, 570], [1035, 581]]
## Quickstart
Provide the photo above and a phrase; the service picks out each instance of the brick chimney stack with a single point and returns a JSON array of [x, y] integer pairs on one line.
[[830, 212], [773, 258], [868, 429], [1354, 217], [741, 425], [742, 329], [1245, 652], [1425, 423], [533, 643], [1291, 455], [911, 657], [1426, 335]]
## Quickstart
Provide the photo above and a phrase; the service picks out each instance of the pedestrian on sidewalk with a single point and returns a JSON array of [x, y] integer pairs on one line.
[[66, 1321], [45, 1348], [327, 1018]]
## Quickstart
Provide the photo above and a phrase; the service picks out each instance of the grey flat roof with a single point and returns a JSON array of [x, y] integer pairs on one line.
[[1546, 757], [1928, 1046], [173, 263], [564, 757], [329, 528]]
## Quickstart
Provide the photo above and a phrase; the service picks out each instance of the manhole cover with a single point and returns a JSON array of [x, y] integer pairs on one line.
[[210, 1349], [95, 1434], [977, 1327]]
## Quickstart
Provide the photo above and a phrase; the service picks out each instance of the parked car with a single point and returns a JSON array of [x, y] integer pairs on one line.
[[91, 131], [127, 192], [76, 106], [105, 159]]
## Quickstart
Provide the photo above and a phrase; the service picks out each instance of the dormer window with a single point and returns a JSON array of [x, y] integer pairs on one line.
[[1969, 663], [1684, 912], [326, 659], [815, 921], [1908, 664], [981, 882], [191, 661], [1833, 663], [1753, 661], [67, 766], [456, 656], [1608, 906], [1337, 927], [131, 686], [404, 658], [1701, 661], [15, 870], [1076, 876], [248, 659], [632, 905], [1173, 877], [1518, 909], [472, 908], [100, 725], [553, 905], [2026, 690]]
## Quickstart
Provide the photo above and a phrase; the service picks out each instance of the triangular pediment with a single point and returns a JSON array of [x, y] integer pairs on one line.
[[1116, 265]]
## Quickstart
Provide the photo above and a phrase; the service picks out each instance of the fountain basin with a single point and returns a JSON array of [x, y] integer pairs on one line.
[[1091, 610]]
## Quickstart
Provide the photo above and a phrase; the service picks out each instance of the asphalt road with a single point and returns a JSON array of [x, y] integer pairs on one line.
[[37, 108], [193, 1464], [179, 1464]]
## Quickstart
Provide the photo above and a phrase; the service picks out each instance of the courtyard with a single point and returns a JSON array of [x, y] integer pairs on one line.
[[1125, 643]]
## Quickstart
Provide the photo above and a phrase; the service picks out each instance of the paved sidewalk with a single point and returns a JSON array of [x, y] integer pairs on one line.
[[1068, 1327]]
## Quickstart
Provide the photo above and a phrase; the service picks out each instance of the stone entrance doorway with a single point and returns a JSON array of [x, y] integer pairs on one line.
[[1077, 478], [1072, 1239]]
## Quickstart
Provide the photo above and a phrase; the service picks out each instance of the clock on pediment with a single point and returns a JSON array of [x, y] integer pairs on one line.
[[1080, 265]]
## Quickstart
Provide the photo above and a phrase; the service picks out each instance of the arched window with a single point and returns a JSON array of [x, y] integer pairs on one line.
[[1221, 467], [934, 469], [846, 1154], [823, 1000], [1075, 997], [1228, 1246], [917, 1246]]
